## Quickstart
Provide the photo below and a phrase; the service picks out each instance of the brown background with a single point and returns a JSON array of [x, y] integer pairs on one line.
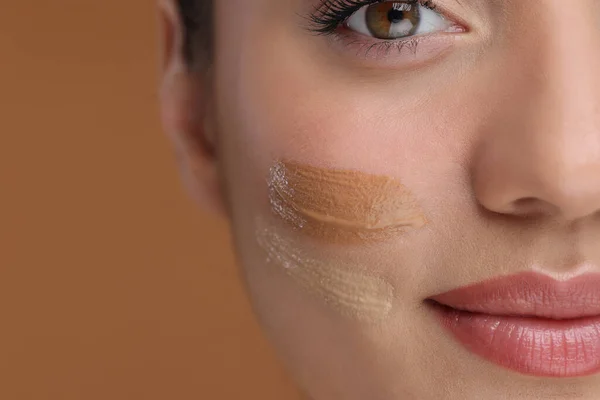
[[113, 284]]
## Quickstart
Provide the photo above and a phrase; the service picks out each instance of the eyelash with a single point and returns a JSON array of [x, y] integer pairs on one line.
[[330, 15]]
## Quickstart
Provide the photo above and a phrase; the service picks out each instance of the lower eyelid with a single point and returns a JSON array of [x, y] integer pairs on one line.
[[393, 53]]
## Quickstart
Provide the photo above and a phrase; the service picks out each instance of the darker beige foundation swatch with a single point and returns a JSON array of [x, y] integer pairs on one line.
[[342, 205]]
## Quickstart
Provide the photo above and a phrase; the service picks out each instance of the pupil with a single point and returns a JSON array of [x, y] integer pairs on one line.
[[395, 16]]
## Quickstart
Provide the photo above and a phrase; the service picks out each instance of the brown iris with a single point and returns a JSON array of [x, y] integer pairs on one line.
[[392, 19]]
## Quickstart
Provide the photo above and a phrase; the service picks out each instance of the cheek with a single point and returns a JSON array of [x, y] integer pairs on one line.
[[273, 107], [319, 114], [284, 109]]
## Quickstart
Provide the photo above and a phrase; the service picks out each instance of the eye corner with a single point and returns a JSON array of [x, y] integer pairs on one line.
[[458, 23]]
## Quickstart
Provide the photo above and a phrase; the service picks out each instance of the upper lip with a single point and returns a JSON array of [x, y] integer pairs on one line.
[[528, 294]]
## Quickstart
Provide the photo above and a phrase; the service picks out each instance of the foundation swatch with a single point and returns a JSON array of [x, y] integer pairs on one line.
[[345, 287], [342, 205]]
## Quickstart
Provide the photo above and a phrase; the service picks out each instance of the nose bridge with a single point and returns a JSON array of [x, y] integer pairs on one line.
[[570, 67], [546, 146]]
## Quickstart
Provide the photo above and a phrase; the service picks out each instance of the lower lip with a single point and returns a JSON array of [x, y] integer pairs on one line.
[[528, 345]]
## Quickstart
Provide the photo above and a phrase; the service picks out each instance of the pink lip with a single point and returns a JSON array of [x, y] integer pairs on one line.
[[529, 322]]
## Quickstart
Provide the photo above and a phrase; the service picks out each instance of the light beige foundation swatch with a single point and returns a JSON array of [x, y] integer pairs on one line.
[[342, 205], [347, 288]]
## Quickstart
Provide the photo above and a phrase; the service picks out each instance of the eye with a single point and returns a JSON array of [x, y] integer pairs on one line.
[[396, 19]]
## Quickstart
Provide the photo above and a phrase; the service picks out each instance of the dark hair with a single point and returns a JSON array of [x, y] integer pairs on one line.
[[197, 19]]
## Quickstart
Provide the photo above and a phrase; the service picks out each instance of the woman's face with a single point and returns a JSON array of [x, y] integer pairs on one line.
[[403, 153]]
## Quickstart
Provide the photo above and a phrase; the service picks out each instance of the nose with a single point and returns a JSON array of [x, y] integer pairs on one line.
[[539, 152]]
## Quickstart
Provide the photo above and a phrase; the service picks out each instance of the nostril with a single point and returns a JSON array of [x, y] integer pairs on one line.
[[526, 202], [532, 206]]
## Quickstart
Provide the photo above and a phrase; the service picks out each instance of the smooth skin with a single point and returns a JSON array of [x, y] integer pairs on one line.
[[495, 130]]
